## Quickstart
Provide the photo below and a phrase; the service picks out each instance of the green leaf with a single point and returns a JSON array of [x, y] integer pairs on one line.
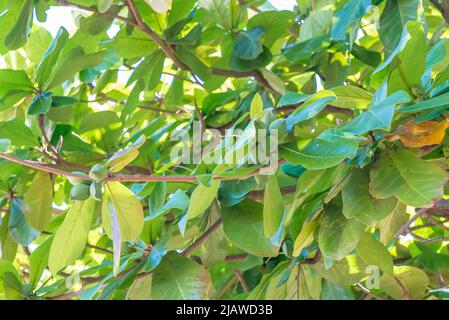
[[380, 116], [51, 56], [326, 151], [317, 24], [433, 103], [337, 235], [351, 97], [18, 227], [442, 293], [310, 108], [332, 291], [179, 201], [76, 61], [243, 226], [40, 104], [390, 225], [275, 24], [260, 61], [219, 12], [201, 199], [134, 44], [140, 289], [39, 261], [394, 17], [8, 246], [247, 44], [38, 201], [157, 197], [358, 202], [303, 51], [19, 134], [71, 237], [273, 207], [374, 253], [128, 209], [179, 278], [18, 35], [122, 158], [104, 5], [411, 41], [410, 179], [350, 14], [345, 272], [14, 80], [414, 281]]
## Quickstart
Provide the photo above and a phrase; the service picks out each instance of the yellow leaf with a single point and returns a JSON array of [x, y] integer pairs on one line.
[[305, 237], [256, 110], [418, 135]]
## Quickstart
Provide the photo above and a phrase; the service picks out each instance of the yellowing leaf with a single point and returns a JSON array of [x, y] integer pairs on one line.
[[256, 110], [121, 159], [405, 281], [305, 237], [38, 201], [119, 199], [201, 199], [71, 237], [418, 135]]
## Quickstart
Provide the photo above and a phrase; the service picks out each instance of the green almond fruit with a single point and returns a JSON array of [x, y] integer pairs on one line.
[[99, 172], [80, 192]]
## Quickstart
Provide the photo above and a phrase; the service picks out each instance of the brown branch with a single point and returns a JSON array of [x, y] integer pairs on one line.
[[167, 49], [53, 153], [170, 52], [200, 117], [42, 167], [121, 177], [202, 238], [241, 279], [443, 7], [313, 260], [95, 10], [259, 195]]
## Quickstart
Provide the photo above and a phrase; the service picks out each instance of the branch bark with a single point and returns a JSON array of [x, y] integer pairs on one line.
[[443, 7]]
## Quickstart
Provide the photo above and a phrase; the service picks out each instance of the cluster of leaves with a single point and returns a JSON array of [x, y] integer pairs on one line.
[[94, 206]]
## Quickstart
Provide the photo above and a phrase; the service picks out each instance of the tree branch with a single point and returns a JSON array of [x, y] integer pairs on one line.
[[95, 10], [169, 52], [121, 177], [443, 7], [202, 238]]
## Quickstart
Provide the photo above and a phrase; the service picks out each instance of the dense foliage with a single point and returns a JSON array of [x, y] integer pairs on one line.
[[94, 206]]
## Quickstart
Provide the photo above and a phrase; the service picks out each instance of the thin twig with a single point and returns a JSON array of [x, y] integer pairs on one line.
[[121, 177], [202, 238], [241, 279], [95, 10]]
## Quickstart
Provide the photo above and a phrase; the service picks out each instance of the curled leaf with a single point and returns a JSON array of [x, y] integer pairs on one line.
[[418, 135]]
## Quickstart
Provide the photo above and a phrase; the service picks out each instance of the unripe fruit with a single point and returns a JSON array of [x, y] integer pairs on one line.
[[95, 191], [74, 181], [79, 192], [99, 172]]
